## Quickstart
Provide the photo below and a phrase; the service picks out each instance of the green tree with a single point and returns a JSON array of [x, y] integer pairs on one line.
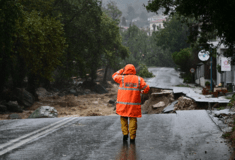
[[82, 25], [124, 21], [213, 17], [93, 38], [41, 43], [183, 59], [38, 45], [156, 56], [35, 41], [143, 49], [144, 71], [112, 11], [113, 51], [174, 35], [10, 11], [154, 27]]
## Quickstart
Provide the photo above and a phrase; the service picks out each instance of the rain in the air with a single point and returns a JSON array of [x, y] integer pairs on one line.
[[117, 80]]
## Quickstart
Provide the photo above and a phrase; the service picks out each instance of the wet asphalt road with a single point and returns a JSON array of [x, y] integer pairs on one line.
[[164, 77], [185, 135]]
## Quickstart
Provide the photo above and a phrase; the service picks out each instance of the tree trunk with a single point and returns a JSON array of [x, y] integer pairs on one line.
[[32, 85], [105, 73], [4, 70], [47, 83], [18, 73]]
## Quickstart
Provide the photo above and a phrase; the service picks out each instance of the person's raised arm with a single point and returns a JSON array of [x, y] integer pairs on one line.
[[117, 76]]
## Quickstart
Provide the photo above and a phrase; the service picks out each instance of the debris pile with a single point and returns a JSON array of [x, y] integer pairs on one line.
[[23, 97], [73, 101], [159, 104], [185, 103], [158, 100], [42, 92]]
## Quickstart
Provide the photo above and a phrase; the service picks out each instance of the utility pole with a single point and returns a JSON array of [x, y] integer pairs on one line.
[[211, 75]]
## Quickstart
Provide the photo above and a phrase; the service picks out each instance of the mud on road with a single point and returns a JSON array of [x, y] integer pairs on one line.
[[94, 104]]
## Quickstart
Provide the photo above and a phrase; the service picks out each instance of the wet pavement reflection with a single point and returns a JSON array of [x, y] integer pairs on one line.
[[127, 152]]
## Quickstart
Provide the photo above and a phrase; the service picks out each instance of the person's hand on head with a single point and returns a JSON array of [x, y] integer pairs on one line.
[[123, 70]]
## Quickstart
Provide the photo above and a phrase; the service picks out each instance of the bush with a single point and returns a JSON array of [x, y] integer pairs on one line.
[[183, 59], [207, 83], [218, 67], [232, 102], [187, 78], [144, 71], [226, 135]]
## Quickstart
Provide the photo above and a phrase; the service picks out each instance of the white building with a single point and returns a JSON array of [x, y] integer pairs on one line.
[[158, 24], [226, 77], [154, 18]]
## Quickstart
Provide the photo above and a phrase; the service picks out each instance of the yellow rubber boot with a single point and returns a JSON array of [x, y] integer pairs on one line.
[[124, 125], [132, 127]]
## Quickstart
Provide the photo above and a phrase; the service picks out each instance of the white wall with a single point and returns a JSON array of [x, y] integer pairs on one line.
[[202, 81], [157, 24]]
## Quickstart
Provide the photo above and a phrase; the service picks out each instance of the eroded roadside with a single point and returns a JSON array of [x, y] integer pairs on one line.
[[87, 104], [94, 104]]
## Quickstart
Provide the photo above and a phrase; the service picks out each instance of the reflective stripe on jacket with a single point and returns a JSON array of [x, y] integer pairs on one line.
[[128, 98]]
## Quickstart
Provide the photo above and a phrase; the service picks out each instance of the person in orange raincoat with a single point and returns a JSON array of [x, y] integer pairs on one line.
[[128, 99]]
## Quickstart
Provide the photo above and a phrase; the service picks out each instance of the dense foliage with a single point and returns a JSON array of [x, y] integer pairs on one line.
[[215, 18], [114, 51], [183, 59], [112, 11], [174, 39], [144, 71], [173, 36], [82, 25], [10, 11], [36, 41], [143, 49], [53, 40]]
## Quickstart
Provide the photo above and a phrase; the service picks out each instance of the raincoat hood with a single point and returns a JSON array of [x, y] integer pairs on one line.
[[129, 69]]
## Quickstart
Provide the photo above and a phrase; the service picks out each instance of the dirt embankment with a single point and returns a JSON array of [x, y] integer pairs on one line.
[[90, 104], [94, 104]]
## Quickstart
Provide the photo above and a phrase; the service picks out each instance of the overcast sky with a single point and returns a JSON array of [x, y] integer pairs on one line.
[[137, 4]]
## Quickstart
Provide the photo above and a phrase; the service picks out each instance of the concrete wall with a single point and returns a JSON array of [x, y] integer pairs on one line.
[[201, 81], [227, 76]]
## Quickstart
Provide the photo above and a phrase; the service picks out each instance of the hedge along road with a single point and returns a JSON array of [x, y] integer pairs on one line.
[[185, 135]]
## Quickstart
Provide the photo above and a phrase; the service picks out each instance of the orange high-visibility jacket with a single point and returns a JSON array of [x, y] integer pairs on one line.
[[128, 98]]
